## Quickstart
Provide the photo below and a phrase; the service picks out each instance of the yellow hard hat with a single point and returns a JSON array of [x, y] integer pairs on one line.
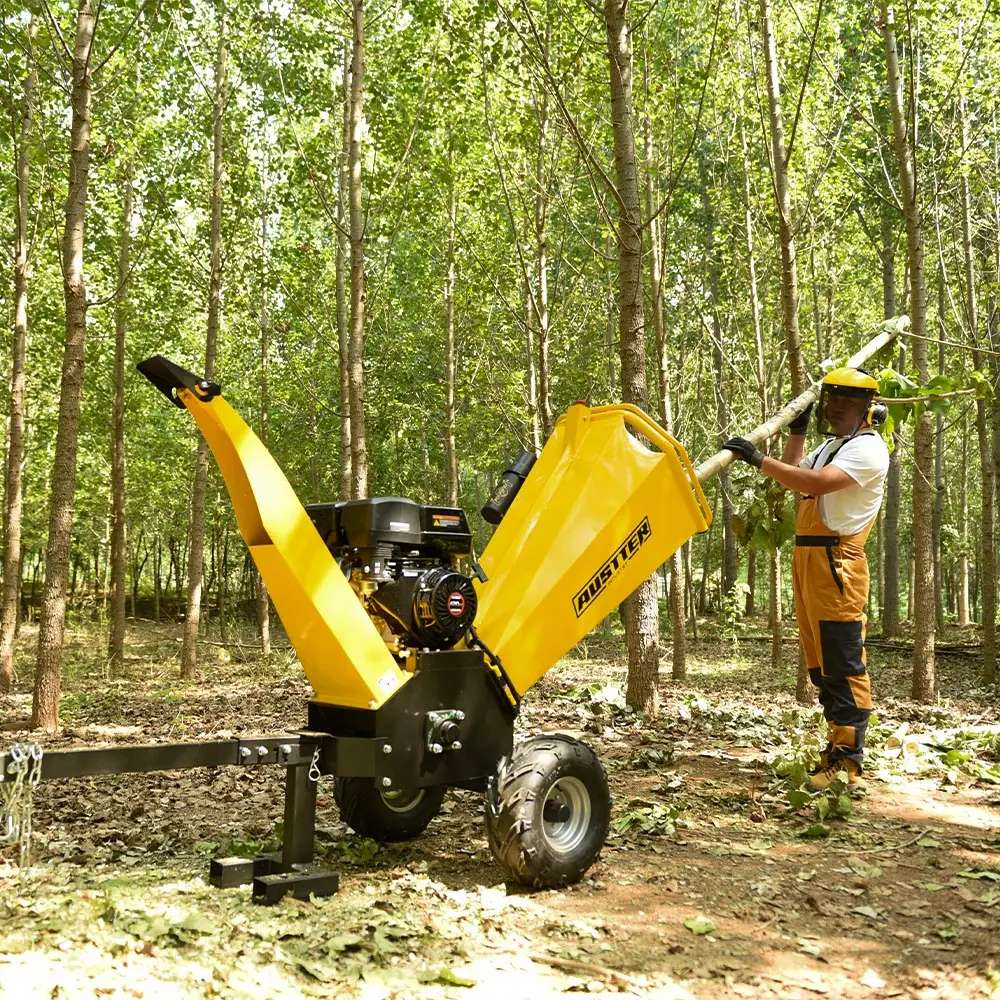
[[848, 379]]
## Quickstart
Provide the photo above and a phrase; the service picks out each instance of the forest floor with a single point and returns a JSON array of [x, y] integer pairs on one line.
[[719, 879]]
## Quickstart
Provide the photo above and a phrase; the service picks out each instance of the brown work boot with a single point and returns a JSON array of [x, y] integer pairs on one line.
[[824, 779], [824, 762]]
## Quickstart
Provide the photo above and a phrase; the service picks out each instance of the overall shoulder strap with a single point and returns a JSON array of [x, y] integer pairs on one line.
[[830, 456]]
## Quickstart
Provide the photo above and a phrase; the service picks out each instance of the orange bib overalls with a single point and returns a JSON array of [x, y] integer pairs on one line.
[[830, 583]]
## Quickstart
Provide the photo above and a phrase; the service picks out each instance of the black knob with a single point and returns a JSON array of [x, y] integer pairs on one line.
[[449, 732]]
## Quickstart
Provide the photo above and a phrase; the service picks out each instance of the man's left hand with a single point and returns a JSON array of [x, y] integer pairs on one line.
[[746, 450]]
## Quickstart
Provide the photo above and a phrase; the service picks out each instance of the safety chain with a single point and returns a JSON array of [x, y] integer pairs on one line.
[[17, 789]]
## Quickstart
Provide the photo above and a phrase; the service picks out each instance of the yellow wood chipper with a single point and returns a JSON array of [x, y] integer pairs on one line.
[[418, 653]]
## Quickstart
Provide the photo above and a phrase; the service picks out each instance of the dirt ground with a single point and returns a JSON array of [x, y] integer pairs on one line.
[[717, 881]]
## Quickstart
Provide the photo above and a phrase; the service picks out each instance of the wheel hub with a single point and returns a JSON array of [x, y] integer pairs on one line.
[[566, 814], [403, 800]]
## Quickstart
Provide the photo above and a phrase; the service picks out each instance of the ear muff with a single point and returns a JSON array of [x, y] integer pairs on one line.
[[877, 415]]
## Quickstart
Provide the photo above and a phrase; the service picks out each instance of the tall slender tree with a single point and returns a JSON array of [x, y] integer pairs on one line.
[[196, 536], [451, 360], [779, 161], [10, 601], [924, 618], [52, 620], [342, 253], [641, 611], [119, 541], [356, 348], [987, 535]]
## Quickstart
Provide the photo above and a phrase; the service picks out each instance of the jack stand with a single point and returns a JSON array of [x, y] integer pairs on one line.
[[292, 871]]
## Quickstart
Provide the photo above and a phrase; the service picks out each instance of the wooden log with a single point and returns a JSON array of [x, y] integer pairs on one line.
[[788, 413]]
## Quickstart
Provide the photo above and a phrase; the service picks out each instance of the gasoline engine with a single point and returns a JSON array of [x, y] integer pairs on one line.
[[402, 559]]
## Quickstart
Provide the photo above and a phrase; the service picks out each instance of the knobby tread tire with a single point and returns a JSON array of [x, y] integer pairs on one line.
[[515, 830], [364, 810]]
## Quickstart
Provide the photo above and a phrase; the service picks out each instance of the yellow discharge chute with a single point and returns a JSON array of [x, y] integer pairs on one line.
[[341, 651], [598, 513]]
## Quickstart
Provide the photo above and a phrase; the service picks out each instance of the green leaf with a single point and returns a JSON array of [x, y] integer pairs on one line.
[[452, 978], [934, 886], [344, 942], [979, 873], [798, 798], [816, 830], [315, 971], [197, 923], [699, 925]]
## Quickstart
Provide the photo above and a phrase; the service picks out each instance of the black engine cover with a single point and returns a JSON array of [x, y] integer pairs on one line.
[[382, 526], [402, 557]]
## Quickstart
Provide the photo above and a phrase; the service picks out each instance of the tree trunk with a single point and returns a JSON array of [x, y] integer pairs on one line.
[[542, 260], [10, 602], [356, 349], [222, 584], [817, 316], [789, 271], [987, 542], [643, 629], [116, 638], [939, 487], [342, 251], [923, 686], [262, 604], [730, 557], [451, 365], [890, 508], [531, 372], [676, 592], [196, 540], [157, 580], [52, 622], [783, 200], [993, 312]]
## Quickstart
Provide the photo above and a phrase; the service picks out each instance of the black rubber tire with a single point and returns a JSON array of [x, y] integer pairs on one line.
[[387, 817], [560, 775]]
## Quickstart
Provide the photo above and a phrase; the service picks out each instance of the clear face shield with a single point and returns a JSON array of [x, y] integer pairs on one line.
[[842, 410]]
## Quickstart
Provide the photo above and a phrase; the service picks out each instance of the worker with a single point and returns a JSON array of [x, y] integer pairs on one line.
[[841, 483]]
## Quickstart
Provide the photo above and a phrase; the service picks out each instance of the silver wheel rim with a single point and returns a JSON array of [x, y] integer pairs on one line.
[[566, 836], [403, 800]]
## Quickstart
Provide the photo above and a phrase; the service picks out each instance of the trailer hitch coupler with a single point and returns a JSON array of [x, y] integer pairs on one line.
[[510, 482]]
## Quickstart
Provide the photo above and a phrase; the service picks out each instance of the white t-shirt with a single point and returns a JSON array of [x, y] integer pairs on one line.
[[865, 458]]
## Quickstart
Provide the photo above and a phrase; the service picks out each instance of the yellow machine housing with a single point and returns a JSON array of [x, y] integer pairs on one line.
[[598, 513]]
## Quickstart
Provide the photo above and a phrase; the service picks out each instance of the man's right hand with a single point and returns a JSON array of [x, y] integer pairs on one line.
[[746, 450], [801, 423]]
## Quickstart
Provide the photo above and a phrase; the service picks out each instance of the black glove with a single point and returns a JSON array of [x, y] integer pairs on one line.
[[801, 423], [747, 450]]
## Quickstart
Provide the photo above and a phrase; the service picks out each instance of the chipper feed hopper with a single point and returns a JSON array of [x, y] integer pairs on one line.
[[418, 654]]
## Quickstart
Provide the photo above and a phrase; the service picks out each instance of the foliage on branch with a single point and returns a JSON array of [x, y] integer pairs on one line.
[[766, 522], [895, 385]]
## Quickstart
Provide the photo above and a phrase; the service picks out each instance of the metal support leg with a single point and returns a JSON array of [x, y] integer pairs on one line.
[[300, 818], [297, 875]]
